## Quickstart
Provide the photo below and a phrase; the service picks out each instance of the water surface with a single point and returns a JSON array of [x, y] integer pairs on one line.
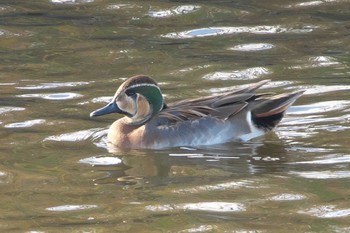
[[62, 59]]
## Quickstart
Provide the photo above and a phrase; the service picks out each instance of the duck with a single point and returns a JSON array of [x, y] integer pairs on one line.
[[150, 123]]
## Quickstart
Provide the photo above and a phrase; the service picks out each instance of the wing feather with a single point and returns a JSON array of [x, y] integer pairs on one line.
[[218, 106]]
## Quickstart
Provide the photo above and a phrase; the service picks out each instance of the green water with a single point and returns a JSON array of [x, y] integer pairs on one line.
[[60, 60]]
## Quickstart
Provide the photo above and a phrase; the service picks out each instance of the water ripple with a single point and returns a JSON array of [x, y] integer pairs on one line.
[[201, 206], [102, 99], [246, 74], [122, 6], [5, 9], [201, 228], [52, 96], [215, 31], [318, 89], [10, 109], [103, 160], [6, 33], [287, 197], [323, 174], [313, 3], [71, 1], [25, 124], [6, 177], [332, 159], [318, 61], [52, 85], [237, 87], [200, 155], [79, 135], [63, 208], [180, 10], [252, 47], [327, 211], [222, 186], [319, 107]]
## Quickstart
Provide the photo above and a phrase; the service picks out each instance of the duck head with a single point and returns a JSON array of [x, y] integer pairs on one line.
[[138, 98]]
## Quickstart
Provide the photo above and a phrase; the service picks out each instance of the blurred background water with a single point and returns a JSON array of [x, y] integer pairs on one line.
[[61, 59]]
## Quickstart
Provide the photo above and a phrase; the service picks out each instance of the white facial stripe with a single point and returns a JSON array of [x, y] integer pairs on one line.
[[143, 84]]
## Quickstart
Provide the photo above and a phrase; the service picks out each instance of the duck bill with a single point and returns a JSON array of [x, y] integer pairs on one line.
[[112, 107]]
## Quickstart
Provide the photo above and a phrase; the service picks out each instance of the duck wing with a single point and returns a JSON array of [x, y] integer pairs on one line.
[[221, 106]]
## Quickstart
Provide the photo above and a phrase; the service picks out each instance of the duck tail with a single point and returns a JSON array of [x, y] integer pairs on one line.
[[269, 111]]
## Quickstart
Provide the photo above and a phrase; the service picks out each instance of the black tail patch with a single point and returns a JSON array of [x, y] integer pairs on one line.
[[267, 123]]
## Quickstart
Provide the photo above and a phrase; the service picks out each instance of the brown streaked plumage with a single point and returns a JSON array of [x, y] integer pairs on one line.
[[150, 123]]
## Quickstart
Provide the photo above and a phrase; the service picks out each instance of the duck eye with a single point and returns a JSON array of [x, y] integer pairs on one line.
[[131, 93]]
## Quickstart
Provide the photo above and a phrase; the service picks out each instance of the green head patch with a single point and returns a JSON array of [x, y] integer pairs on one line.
[[152, 93]]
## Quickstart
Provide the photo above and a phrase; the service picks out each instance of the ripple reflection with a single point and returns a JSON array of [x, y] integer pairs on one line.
[[63, 208], [52, 96], [179, 10], [215, 31], [318, 61], [287, 197], [327, 211], [323, 174], [10, 109], [331, 159], [71, 1], [6, 177], [222, 186], [103, 160], [246, 74], [201, 206], [79, 135], [52, 85], [252, 47], [25, 124]]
